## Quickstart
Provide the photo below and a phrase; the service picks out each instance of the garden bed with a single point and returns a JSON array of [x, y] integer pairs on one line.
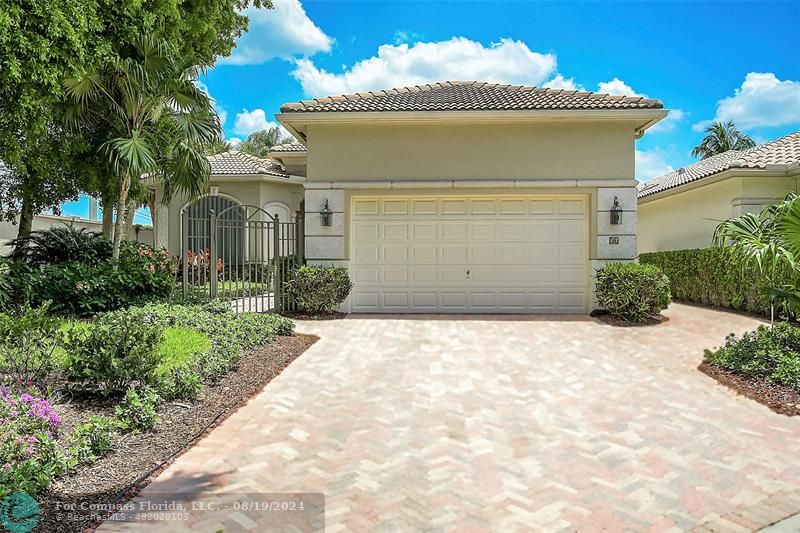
[[138, 457], [780, 399]]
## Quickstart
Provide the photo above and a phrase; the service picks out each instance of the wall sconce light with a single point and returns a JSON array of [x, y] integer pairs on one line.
[[326, 215], [616, 212]]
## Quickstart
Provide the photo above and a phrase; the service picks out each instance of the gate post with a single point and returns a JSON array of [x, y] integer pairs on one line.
[[185, 252], [213, 254], [276, 238], [300, 235]]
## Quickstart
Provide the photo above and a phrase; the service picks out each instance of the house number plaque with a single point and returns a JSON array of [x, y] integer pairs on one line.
[[613, 240]]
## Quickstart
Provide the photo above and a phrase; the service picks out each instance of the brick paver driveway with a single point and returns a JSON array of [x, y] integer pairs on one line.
[[507, 423]]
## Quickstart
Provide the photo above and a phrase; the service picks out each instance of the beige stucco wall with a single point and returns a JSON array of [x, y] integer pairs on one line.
[[249, 192], [568, 150], [687, 219]]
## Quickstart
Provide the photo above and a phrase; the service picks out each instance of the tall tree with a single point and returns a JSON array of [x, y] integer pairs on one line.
[[160, 124], [260, 142], [42, 42], [219, 146], [721, 137]]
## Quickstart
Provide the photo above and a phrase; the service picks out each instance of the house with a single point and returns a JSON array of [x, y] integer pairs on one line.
[[455, 196], [681, 209]]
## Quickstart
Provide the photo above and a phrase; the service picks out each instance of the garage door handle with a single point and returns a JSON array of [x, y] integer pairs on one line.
[[467, 274]]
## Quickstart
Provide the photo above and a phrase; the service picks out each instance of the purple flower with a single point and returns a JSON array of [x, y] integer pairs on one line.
[[54, 420], [27, 398], [32, 439], [6, 466]]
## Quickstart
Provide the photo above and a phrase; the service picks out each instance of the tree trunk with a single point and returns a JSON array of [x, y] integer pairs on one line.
[[129, 215], [118, 224], [25, 216], [108, 217]]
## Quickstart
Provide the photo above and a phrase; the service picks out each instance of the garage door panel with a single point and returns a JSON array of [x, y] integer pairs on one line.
[[524, 254]]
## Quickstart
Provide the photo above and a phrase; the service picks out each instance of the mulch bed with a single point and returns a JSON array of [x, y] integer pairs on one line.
[[780, 399], [616, 322], [138, 458]]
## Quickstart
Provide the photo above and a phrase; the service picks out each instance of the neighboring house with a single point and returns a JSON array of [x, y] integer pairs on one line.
[[451, 197], [681, 209], [8, 231]]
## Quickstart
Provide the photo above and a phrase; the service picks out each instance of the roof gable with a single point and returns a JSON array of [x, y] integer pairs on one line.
[[470, 96]]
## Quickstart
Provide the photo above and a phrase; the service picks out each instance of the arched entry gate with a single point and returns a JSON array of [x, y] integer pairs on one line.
[[239, 253]]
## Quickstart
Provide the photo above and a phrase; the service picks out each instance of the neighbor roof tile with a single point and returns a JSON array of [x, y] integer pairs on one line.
[[239, 163], [783, 151]]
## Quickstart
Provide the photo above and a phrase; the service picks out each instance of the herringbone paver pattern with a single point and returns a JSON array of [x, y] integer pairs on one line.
[[506, 423]]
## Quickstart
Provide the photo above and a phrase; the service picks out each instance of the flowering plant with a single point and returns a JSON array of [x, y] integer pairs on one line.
[[30, 455]]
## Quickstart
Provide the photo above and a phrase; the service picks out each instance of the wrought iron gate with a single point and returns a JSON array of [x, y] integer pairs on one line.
[[242, 254]]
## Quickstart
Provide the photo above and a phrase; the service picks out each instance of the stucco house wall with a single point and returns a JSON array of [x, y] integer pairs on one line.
[[549, 151], [687, 218]]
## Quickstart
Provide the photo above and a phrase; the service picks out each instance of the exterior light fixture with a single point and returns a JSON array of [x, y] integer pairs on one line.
[[326, 215], [616, 213]]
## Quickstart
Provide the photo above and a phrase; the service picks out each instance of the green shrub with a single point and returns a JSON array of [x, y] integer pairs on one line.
[[632, 291], [29, 339], [772, 353], [30, 456], [320, 289], [713, 276], [92, 440], [137, 411], [61, 244], [141, 275], [180, 346], [6, 286], [118, 351], [182, 382]]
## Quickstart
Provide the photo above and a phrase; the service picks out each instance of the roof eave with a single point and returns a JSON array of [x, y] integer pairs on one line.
[[719, 176], [296, 122]]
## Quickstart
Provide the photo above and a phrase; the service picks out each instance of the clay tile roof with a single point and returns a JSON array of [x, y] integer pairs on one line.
[[469, 96], [239, 163], [288, 147], [780, 152]]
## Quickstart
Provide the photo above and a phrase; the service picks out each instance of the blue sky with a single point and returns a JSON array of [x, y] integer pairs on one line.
[[704, 60]]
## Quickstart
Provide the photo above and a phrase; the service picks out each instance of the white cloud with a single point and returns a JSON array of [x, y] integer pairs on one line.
[[221, 112], [651, 164], [234, 141], [762, 101], [560, 82], [283, 32], [248, 122], [617, 86], [458, 58], [669, 122]]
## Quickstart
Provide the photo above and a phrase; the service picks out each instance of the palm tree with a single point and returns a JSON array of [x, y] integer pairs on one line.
[[260, 142], [159, 122], [219, 146], [721, 138], [769, 240]]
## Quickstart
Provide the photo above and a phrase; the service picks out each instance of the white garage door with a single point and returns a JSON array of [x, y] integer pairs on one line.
[[479, 254]]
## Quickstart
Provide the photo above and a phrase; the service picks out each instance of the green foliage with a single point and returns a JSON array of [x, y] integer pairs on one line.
[[142, 274], [6, 286], [259, 143], [161, 122], [772, 353], [119, 351], [28, 341], [137, 411], [320, 289], [92, 440], [181, 346], [184, 382], [61, 244], [716, 276], [230, 334], [30, 456], [632, 291], [721, 137]]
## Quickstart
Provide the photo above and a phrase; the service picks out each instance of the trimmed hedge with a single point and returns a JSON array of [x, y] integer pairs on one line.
[[632, 291], [712, 276]]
